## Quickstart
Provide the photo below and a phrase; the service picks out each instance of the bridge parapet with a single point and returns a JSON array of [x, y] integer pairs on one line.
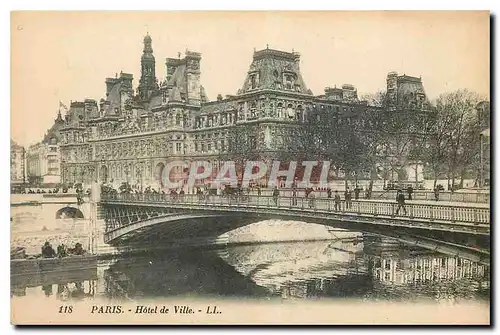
[[425, 195], [457, 215]]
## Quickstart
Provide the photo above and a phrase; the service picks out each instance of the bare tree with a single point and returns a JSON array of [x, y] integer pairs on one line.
[[403, 129], [458, 118], [340, 139], [240, 146]]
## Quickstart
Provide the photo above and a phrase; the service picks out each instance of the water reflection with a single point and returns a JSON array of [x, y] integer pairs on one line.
[[370, 268], [70, 291]]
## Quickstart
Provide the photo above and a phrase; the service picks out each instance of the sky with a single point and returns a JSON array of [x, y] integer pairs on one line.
[[65, 56]]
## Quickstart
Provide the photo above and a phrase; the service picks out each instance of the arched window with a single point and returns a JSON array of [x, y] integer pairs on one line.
[[280, 110], [290, 112]]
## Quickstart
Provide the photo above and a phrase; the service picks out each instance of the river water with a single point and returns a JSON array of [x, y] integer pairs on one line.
[[364, 268]]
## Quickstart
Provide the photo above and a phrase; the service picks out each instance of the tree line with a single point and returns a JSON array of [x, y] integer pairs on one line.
[[379, 140]]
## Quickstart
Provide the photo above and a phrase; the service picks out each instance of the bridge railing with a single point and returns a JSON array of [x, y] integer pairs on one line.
[[432, 212], [469, 197], [474, 197]]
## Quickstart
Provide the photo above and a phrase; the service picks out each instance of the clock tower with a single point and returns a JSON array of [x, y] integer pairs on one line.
[[148, 83]]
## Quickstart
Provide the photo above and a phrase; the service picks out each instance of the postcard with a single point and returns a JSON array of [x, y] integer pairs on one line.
[[250, 168]]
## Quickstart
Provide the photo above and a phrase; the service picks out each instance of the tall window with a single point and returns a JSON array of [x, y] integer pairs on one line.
[[289, 82], [253, 110], [253, 81]]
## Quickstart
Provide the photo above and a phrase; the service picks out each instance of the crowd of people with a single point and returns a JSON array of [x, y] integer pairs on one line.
[[310, 193], [62, 250], [34, 245], [40, 190]]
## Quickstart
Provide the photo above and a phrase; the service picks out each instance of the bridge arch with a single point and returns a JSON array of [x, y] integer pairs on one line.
[[69, 212]]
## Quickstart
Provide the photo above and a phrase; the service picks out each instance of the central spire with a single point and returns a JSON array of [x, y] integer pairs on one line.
[[147, 44], [148, 82]]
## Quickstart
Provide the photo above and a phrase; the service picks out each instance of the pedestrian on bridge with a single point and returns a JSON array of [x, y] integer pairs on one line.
[[348, 198], [294, 195], [436, 193], [400, 198], [336, 200], [356, 192], [276, 194], [312, 199], [410, 192]]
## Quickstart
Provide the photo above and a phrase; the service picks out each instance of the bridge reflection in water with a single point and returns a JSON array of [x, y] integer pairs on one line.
[[371, 267]]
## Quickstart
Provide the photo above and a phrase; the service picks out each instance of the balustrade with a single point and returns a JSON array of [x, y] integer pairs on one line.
[[453, 214]]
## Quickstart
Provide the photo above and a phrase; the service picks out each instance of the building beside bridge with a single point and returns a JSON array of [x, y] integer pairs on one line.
[[130, 135], [43, 159], [17, 164]]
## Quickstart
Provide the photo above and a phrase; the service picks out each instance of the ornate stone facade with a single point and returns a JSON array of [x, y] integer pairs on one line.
[[132, 137], [17, 163], [43, 159]]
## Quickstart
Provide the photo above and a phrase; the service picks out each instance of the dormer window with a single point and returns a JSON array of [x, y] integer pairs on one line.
[[254, 81], [289, 81], [164, 97]]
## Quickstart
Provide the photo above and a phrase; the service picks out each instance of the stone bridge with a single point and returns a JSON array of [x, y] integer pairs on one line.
[[49, 210]]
